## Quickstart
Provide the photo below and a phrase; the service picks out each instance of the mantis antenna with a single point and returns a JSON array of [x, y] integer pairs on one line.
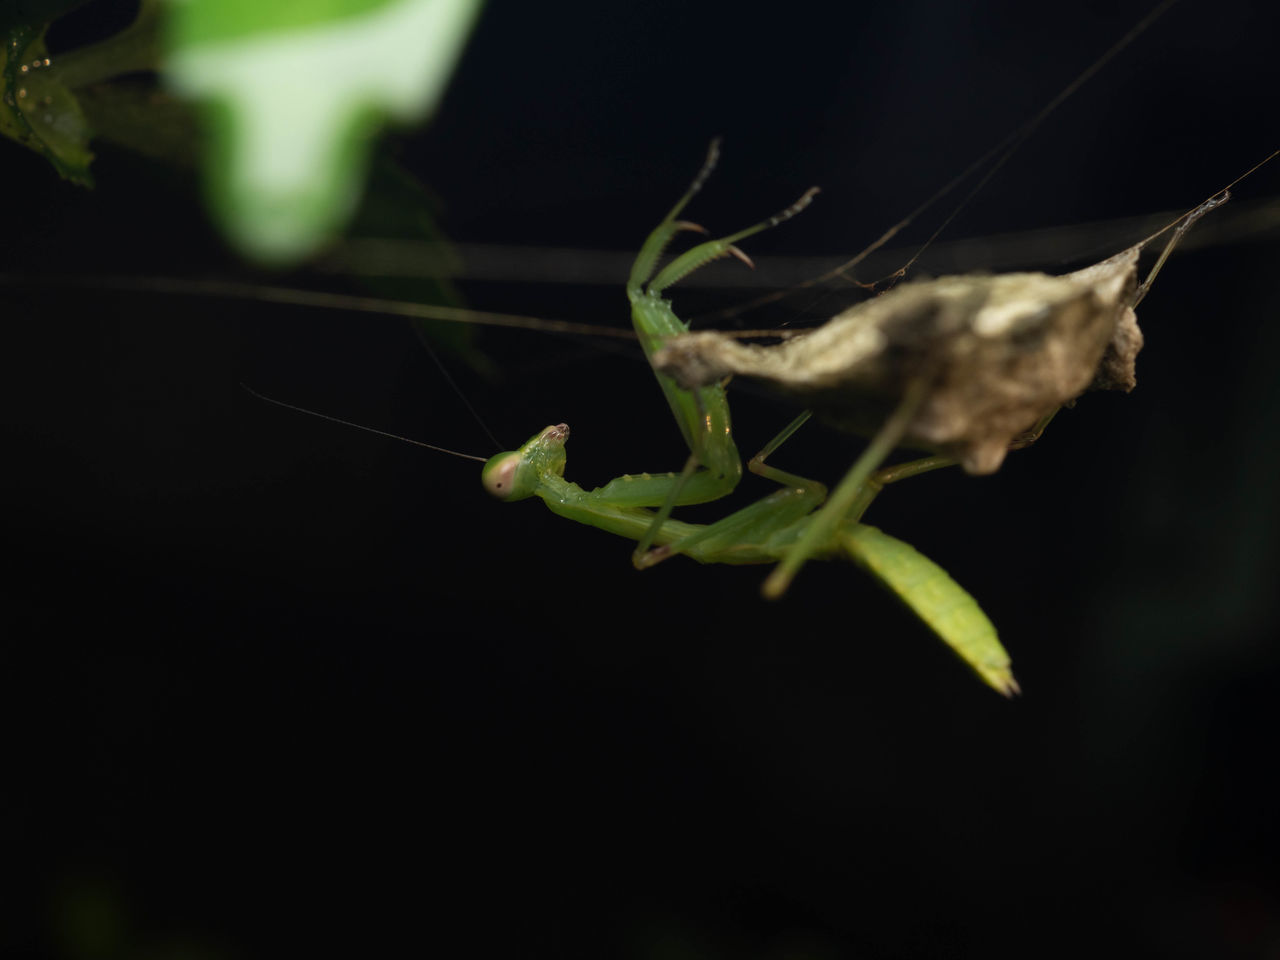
[[359, 426]]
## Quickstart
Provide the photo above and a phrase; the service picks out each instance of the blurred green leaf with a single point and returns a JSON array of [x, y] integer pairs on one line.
[[292, 94], [37, 109], [43, 97]]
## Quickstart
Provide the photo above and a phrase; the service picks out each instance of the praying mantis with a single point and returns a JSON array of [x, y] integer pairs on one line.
[[786, 527], [969, 367]]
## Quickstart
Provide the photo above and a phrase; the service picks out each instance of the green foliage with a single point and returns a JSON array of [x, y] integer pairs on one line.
[[290, 95], [38, 110]]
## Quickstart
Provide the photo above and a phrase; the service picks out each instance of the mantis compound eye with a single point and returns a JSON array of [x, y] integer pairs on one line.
[[516, 474], [499, 475]]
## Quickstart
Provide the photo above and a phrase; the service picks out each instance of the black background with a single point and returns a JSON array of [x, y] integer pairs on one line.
[[279, 688]]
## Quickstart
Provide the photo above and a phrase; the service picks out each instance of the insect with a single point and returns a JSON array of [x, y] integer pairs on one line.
[[969, 367], [764, 532]]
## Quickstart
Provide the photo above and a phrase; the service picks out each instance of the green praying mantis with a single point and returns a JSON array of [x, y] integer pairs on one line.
[[966, 367], [787, 527]]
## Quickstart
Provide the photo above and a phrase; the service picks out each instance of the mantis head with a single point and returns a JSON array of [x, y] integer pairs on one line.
[[515, 474]]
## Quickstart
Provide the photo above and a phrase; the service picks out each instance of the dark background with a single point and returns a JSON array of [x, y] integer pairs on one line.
[[277, 688]]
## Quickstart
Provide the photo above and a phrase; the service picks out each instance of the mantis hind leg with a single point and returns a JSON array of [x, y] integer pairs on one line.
[[913, 468], [823, 528], [713, 467]]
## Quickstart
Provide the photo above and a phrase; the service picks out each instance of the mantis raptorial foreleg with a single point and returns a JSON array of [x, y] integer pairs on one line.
[[702, 413], [714, 466]]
